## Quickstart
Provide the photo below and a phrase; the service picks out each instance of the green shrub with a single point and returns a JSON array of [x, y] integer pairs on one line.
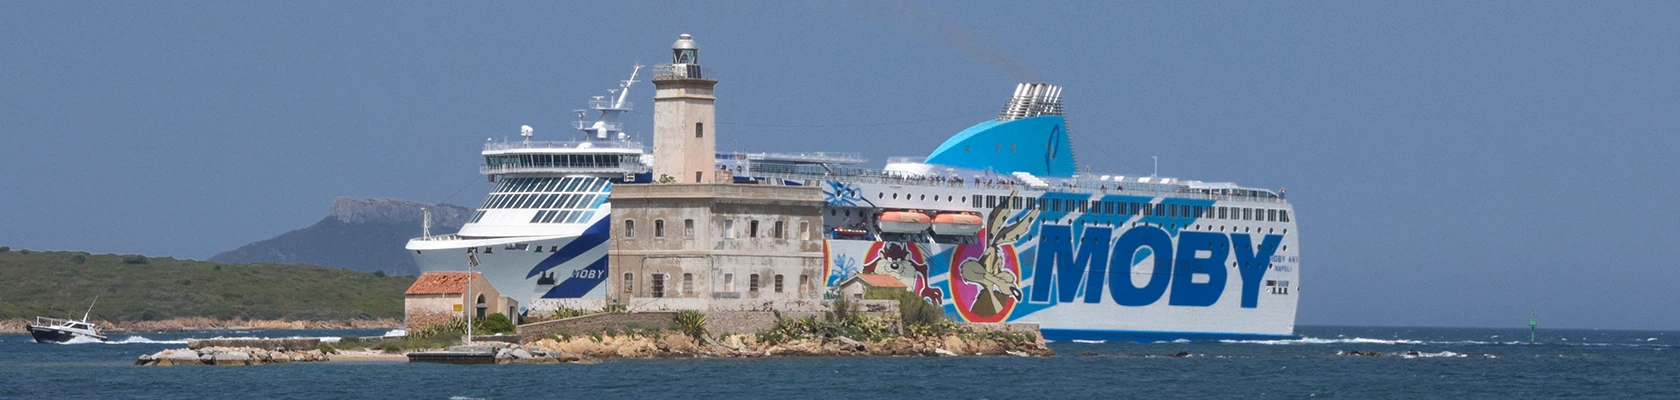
[[24, 252], [495, 323], [350, 339], [79, 259], [379, 273], [136, 259], [326, 348], [914, 311], [4, 249], [391, 347], [564, 312], [692, 323]]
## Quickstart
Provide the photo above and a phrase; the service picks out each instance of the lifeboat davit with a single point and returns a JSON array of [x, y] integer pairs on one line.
[[956, 224], [903, 222]]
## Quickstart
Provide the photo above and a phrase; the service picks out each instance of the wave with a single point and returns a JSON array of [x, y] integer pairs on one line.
[[1312, 340], [1090, 341], [1444, 354]]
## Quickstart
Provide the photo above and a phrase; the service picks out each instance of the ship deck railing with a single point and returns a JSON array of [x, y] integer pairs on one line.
[[1086, 186], [557, 144], [554, 169]]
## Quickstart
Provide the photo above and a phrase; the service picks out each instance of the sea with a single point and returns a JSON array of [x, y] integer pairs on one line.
[[1327, 362]]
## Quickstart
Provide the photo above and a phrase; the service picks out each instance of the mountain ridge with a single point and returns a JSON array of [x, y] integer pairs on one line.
[[358, 234]]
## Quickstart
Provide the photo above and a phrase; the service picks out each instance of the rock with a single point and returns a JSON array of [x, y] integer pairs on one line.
[[233, 358], [850, 344], [520, 354]]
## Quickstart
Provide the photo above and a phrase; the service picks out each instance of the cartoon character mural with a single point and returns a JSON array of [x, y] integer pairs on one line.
[[905, 261], [985, 283]]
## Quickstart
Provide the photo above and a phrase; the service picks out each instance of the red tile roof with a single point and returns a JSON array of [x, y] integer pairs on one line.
[[881, 281], [441, 283]]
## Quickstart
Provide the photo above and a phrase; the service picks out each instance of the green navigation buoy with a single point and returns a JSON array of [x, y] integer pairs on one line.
[[1532, 322]]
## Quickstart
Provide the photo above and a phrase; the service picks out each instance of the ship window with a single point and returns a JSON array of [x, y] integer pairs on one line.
[[538, 216], [976, 202], [1083, 206], [776, 231], [549, 203], [629, 229], [752, 283], [699, 129], [599, 185], [1222, 214], [1135, 209], [1283, 215], [526, 203], [552, 183], [729, 283], [629, 282], [659, 228], [991, 201], [585, 216], [572, 200], [550, 217], [572, 185], [1271, 215], [778, 283], [752, 229], [1015, 202], [516, 199]]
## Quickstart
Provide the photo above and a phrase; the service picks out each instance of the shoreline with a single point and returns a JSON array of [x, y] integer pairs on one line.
[[16, 325]]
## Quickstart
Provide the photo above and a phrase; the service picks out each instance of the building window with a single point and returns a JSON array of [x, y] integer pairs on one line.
[[696, 176], [699, 129], [805, 230], [728, 229], [688, 228], [778, 283], [659, 228], [629, 283], [658, 285], [729, 283], [629, 229], [804, 283], [776, 231], [688, 284], [752, 283], [752, 229]]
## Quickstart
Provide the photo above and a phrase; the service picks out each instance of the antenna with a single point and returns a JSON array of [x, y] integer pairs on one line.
[[1157, 166], [525, 130], [90, 308], [425, 223]]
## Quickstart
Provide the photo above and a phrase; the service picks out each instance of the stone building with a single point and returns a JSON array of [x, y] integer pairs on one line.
[[437, 297], [715, 246]]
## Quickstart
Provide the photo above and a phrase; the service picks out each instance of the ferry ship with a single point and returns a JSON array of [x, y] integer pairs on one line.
[[542, 231], [998, 224]]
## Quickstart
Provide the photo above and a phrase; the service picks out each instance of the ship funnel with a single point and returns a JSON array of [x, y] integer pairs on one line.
[[1033, 100]]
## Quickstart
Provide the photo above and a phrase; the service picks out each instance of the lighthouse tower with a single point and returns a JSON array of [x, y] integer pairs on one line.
[[684, 137]]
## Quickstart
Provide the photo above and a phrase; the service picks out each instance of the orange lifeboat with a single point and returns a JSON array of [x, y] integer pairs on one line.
[[903, 222], [956, 223]]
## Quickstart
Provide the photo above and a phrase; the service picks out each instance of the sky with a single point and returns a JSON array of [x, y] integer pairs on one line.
[[1450, 163]]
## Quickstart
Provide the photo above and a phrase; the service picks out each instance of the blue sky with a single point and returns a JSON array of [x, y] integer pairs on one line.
[[1452, 163]]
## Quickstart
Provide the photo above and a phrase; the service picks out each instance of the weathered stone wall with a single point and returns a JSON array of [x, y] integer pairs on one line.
[[420, 319], [596, 322]]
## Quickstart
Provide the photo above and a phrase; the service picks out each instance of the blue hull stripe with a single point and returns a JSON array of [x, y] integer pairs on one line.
[[594, 236], [576, 286], [1061, 335]]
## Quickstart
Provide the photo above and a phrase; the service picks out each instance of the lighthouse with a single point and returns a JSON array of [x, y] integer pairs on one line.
[[684, 132]]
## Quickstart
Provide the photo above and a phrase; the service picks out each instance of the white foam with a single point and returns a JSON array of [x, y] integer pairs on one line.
[[1310, 340], [1446, 354], [1090, 341]]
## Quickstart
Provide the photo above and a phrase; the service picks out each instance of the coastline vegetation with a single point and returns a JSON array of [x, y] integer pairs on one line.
[[139, 288]]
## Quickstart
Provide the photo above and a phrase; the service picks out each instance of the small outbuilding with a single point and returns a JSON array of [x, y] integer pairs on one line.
[[872, 287], [437, 297]]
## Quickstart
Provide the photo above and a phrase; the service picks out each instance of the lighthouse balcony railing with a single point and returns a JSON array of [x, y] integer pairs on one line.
[[682, 71]]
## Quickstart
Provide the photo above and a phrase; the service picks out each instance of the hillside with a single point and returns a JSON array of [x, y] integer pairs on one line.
[[360, 234], [136, 288]]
